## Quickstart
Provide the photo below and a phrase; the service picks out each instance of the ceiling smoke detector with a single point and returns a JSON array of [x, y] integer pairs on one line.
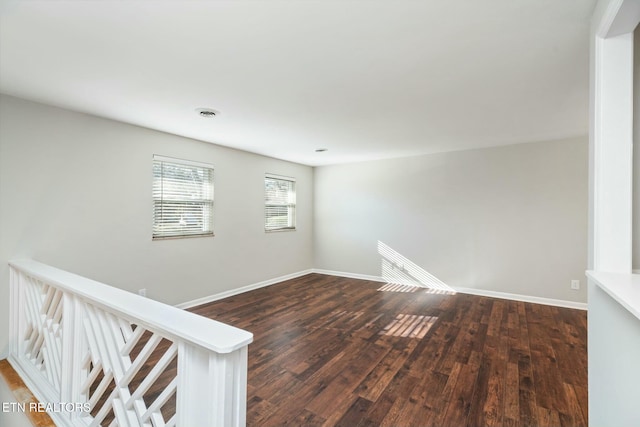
[[207, 112]]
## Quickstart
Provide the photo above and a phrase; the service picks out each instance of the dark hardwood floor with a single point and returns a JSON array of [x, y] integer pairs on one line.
[[336, 351]]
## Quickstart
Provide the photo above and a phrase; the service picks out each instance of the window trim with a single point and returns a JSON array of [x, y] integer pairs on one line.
[[290, 205], [184, 162]]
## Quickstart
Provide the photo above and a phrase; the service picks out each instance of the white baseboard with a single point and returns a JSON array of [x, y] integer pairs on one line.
[[349, 275], [635, 271], [472, 291], [480, 292], [524, 298], [232, 292]]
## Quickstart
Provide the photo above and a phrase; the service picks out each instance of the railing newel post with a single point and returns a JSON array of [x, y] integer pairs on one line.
[[210, 387]]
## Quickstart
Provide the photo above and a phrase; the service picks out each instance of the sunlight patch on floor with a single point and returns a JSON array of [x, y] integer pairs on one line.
[[396, 287], [409, 326]]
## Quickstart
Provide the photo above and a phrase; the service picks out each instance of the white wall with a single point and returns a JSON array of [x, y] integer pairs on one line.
[[75, 192], [508, 219], [636, 150], [614, 351]]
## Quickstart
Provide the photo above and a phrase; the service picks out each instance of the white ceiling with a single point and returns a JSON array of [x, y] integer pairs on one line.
[[365, 79]]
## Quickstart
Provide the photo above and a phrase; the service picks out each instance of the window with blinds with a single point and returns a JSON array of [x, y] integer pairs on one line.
[[182, 198], [279, 203]]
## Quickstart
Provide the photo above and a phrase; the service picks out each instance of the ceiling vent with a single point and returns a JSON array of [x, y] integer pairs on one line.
[[207, 112]]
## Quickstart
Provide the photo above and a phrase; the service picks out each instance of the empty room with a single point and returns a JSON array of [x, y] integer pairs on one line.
[[319, 213]]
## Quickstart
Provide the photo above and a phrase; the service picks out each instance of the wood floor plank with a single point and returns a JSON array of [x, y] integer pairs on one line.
[[460, 403], [308, 419], [259, 409], [493, 409], [334, 351], [481, 396], [379, 378], [574, 415], [511, 398], [346, 402], [355, 414], [392, 398], [582, 395], [548, 417], [349, 374], [527, 395], [440, 408], [425, 399]]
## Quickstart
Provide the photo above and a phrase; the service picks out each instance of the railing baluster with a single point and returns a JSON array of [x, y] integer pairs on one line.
[[145, 353], [152, 376], [161, 400], [133, 340]]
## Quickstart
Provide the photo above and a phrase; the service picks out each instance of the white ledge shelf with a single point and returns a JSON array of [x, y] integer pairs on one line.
[[624, 288]]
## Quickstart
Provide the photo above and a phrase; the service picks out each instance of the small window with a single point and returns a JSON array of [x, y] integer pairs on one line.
[[279, 203], [182, 198]]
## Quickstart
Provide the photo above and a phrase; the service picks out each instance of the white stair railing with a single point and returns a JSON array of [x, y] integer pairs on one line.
[[95, 355]]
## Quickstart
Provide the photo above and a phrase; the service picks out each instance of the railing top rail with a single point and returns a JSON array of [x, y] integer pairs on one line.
[[176, 323]]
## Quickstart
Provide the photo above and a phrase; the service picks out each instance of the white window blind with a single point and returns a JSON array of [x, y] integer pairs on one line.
[[182, 198], [280, 203]]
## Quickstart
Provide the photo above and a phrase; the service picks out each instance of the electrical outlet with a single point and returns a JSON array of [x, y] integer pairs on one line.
[[143, 292], [575, 285]]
